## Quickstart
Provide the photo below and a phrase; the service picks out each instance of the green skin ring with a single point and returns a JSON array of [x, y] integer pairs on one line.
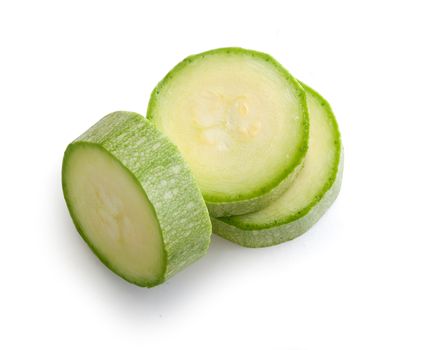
[[225, 205]]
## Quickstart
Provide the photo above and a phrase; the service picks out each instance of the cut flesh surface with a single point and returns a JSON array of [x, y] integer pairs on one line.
[[240, 121], [134, 200], [306, 200], [115, 214]]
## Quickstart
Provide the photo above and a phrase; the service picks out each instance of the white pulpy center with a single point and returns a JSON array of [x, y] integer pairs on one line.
[[223, 119], [111, 213]]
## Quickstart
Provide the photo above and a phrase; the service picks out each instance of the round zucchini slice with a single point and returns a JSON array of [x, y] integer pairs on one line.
[[133, 199], [311, 194], [240, 121]]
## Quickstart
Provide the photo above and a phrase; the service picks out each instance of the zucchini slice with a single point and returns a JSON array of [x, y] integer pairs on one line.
[[241, 122], [311, 194], [133, 199]]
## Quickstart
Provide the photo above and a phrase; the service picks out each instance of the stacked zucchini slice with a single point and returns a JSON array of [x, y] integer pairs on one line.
[[264, 149], [241, 122], [313, 191], [228, 130]]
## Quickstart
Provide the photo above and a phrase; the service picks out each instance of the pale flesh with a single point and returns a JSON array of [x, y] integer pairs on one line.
[[236, 121], [114, 214], [318, 167]]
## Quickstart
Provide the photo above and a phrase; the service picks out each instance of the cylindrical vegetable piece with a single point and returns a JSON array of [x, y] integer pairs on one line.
[[133, 199]]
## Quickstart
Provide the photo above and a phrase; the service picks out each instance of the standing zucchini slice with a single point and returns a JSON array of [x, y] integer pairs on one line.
[[311, 194], [241, 122], [133, 199]]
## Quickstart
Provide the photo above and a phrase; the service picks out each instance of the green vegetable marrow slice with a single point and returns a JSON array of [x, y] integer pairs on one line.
[[133, 199], [311, 194], [241, 122]]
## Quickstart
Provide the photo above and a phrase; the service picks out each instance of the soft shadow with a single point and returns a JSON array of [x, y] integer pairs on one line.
[[116, 293]]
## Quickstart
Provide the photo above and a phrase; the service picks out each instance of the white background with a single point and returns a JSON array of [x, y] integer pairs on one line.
[[354, 281]]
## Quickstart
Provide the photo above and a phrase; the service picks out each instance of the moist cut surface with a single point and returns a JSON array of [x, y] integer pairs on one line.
[[240, 121]]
